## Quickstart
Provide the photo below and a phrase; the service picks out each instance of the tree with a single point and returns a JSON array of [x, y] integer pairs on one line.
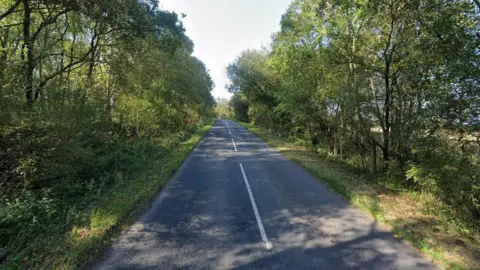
[[239, 108], [84, 87], [222, 108], [352, 77]]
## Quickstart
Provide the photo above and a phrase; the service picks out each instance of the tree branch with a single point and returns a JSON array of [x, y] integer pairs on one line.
[[60, 71], [10, 10], [11, 25], [50, 20]]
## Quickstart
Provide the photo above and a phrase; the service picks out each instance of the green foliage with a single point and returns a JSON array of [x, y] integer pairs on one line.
[[239, 108], [222, 108], [94, 96], [383, 86], [434, 233], [452, 176], [142, 169]]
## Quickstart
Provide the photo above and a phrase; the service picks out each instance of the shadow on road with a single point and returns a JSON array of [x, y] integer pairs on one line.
[[204, 219]]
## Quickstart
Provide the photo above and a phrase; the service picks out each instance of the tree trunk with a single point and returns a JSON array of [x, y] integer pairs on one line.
[[374, 159], [335, 149], [28, 46], [93, 54], [3, 59], [386, 129], [69, 70], [40, 66]]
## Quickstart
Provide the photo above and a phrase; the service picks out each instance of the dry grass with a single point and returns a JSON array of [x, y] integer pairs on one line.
[[409, 215]]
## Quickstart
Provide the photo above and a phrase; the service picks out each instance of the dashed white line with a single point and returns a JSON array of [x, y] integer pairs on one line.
[[268, 244], [234, 146]]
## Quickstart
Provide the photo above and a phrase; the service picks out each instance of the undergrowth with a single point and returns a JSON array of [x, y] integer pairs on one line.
[[417, 217], [91, 195]]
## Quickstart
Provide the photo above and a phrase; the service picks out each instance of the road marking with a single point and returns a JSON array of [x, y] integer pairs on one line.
[[234, 146], [225, 122], [268, 244]]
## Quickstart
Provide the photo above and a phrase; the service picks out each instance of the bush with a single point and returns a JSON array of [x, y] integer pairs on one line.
[[451, 175], [54, 170]]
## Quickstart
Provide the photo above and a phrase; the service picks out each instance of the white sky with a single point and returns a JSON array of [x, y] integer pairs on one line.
[[221, 29]]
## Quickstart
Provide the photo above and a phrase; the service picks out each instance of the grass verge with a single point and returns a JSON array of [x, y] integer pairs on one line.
[[408, 214], [112, 210]]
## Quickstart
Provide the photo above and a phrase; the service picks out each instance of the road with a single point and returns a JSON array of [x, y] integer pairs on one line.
[[236, 203]]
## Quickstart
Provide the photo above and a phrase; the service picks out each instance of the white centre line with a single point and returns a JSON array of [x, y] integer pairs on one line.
[[268, 244], [234, 146]]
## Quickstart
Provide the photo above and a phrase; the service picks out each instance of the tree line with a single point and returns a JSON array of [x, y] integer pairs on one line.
[[88, 89], [386, 86]]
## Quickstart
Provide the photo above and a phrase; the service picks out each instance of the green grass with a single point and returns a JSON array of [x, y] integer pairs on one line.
[[399, 209], [114, 210]]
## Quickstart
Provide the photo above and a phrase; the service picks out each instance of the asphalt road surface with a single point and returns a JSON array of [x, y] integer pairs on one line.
[[236, 203]]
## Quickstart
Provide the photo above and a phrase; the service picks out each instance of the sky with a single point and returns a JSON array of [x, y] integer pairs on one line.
[[222, 29]]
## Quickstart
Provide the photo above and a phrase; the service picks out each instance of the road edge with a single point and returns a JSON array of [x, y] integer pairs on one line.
[[429, 255], [138, 209]]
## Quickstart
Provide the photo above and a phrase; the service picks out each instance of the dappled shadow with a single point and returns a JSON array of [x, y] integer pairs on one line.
[[219, 145], [308, 239], [427, 232], [204, 219]]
